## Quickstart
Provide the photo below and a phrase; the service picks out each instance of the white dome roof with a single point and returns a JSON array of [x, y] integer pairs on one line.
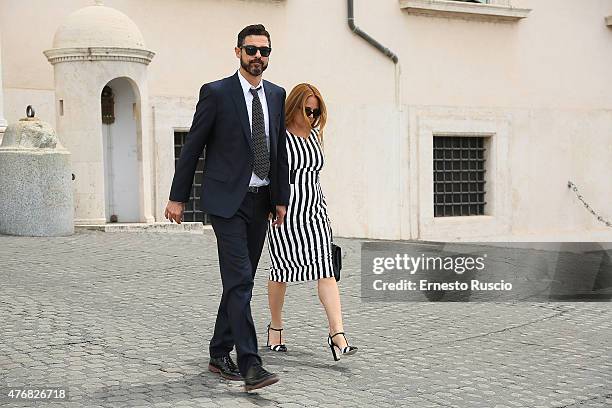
[[98, 26]]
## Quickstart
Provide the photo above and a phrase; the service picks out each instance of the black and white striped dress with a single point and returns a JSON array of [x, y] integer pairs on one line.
[[300, 249]]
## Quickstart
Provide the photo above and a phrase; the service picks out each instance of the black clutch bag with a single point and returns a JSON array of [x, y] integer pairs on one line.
[[336, 260]]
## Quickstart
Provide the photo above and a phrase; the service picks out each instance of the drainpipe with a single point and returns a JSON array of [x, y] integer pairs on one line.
[[390, 54], [393, 57]]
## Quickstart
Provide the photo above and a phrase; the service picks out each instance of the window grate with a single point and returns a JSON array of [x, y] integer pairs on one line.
[[459, 176], [192, 212]]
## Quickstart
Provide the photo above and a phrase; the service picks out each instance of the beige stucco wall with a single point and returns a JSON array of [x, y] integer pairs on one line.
[[541, 85]]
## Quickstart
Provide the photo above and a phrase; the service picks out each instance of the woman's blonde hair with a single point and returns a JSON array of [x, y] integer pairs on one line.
[[296, 102]]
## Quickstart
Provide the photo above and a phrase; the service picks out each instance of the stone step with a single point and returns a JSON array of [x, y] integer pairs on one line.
[[191, 227]]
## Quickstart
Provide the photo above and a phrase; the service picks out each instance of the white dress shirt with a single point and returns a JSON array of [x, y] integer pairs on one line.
[[248, 99]]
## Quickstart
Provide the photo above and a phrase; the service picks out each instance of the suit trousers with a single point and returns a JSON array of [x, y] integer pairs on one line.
[[239, 243]]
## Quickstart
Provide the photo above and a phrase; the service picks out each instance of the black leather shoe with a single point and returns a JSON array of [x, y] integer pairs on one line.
[[225, 367], [258, 377]]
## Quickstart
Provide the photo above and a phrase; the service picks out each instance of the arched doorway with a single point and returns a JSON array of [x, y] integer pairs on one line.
[[120, 121]]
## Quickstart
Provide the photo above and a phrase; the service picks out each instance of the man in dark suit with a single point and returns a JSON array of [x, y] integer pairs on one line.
[[241, 122]]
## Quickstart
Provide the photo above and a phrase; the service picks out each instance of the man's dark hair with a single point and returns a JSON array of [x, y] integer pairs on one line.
[[254, 29]]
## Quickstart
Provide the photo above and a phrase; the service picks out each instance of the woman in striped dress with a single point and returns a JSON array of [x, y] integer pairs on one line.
[[300, 248]]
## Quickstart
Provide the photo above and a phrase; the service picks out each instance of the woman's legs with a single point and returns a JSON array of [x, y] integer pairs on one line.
[[330, 298], [276, 299]]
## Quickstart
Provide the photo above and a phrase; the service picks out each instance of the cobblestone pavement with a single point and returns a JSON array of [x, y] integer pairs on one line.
[[124, 319]]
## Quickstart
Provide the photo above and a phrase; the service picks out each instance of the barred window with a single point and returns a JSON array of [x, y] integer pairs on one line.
[[193, 212], [459, 176]]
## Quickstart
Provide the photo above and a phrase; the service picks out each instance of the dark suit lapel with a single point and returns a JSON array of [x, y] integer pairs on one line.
[[243, 115], [273, 113]]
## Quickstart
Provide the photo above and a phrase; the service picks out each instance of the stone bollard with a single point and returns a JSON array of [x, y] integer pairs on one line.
[[35, 181]]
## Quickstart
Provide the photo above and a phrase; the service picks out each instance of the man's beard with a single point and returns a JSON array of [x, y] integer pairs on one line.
[[252, 68]]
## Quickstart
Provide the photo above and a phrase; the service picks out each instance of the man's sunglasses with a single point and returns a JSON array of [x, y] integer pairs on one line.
[[315, 113], [252, 50]]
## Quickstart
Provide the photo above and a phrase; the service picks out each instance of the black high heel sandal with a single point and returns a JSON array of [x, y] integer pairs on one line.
[[343, 351], [277, 347]]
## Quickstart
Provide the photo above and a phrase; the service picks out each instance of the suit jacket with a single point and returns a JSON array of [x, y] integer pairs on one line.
[[221, 125]]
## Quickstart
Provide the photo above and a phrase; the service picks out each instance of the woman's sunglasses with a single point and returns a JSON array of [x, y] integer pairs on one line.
[[315, 113], [252, 50]]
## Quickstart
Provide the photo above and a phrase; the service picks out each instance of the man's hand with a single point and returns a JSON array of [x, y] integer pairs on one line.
[[174, 211], [281, 210]]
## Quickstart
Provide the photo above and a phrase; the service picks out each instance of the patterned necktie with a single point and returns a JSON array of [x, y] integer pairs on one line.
[[261, 159]]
